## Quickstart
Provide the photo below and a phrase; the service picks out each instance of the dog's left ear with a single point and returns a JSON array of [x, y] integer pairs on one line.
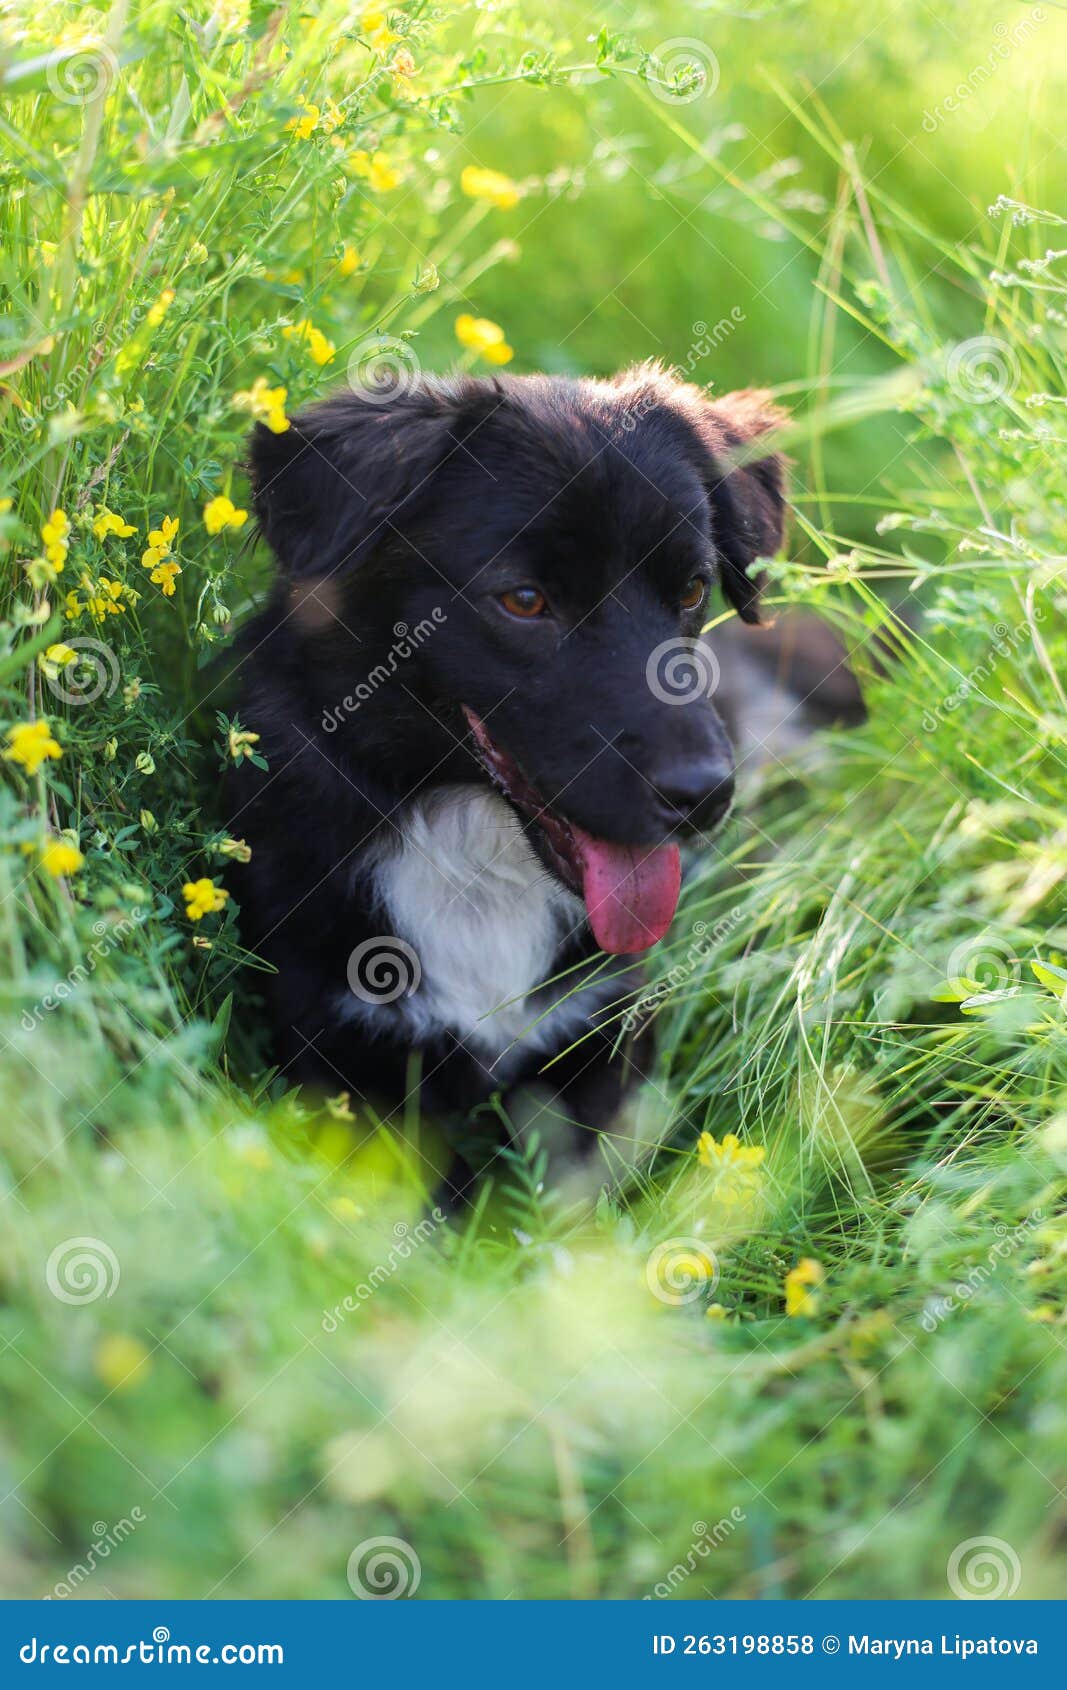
[[747, 492]]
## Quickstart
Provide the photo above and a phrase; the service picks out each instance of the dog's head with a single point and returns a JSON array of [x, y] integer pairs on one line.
[[550, 547]]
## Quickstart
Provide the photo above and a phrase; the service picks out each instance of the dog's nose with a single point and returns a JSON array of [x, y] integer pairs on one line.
[[697, 790]]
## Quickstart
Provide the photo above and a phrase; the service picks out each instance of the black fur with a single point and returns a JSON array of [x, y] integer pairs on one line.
[[418, 513]]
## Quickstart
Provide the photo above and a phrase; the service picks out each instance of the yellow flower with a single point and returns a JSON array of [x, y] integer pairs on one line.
[[401, 67], [241, 743], [377, 171], [6, 504], [320, 349], [731, 1153], [799, 1299], [350, 261], [156, 313], [304, 127], [332, 117], [220, 513], [375, 28], [238, 849], [121, 1361], [108, 523], [203, 897], [55, 533], [55, 658], [163, 576], [160, 538], [484, 337], [340, 1107], [30, 743], [479, 184], [59, 857], [266, 404], [344, 1208]]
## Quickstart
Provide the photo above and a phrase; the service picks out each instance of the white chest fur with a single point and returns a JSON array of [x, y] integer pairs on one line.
[[464, 888]]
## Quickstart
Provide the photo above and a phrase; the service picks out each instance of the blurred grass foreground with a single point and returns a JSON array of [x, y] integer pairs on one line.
[[816, 1345]]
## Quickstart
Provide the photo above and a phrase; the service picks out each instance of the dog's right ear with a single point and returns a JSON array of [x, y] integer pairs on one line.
[[340, 480]]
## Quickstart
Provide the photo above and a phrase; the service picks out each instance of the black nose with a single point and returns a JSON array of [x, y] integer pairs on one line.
[[697, 791]]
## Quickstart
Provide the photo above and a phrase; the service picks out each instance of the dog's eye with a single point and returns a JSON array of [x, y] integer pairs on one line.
[[524, 601], [693, 593]]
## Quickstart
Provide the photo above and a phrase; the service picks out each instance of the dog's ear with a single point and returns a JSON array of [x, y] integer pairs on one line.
[[342, 478], [747, 492]]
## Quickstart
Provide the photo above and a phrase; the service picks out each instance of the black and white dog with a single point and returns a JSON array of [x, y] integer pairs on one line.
[[478, 773]]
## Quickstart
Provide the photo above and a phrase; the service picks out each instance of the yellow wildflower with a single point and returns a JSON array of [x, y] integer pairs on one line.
[[480, 184], [731, 1153], [266, 404], [484, 337], [156, 313], [30, 743], [304, 127], [60, 857], [163, 576], [375, 28], [332, 117], [120, 1361], [799, 1298], [350, 261], [203, 897], [238, 849], [379, 174], [55, 533], [107, 600], [319, 348], [340, 1107], [6, 504], [55, 658], [108, 523], [220, 513], [241, 743]]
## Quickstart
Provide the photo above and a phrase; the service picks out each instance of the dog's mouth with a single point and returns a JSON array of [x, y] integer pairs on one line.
[[630, 891]]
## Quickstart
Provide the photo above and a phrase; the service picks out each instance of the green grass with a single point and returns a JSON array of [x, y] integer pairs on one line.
[[863, 978]]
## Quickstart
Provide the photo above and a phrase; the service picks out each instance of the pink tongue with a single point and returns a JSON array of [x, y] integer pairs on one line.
[[631, 895]]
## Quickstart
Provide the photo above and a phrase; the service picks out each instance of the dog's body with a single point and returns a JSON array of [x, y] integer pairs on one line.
[[475, 778]]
